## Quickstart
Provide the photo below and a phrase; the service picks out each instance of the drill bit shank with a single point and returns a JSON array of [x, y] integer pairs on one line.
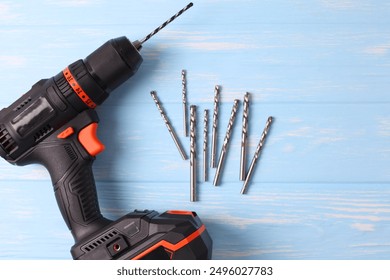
[[244, 136], [257, 155], [214, 133], [168, 124], [193, 163], [225, 143]]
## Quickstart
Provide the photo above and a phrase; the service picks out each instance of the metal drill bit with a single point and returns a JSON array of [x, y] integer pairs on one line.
[[147, 37], [184, 97], [168, 124], [244, 136], [205, 144], [225, 143], [193, 176], [257, 155], [214, 133]]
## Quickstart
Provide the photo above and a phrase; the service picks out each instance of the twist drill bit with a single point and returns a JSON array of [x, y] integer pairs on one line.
[[257, 155], [244, 136], [214, 133], [168, 124], [205, 144], [193, 153], [225, 143], [184, 97], [147, 37]]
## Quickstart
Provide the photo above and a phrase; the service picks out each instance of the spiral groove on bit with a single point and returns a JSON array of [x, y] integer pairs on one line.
[[263, 136], [226, 142], [244, 136], [257, 154], [214, 136], [193, 130], [184, 98], [168, 124], [205, 144], [230, 126], [193, 163], [160, 109], [147, 37]]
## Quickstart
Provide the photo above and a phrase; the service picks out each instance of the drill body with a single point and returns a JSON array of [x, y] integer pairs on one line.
[[54, 124]]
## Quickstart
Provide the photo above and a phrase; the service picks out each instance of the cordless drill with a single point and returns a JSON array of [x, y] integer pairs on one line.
[[55, 124]]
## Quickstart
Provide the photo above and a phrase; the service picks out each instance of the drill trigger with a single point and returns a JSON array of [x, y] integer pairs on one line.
[[89, 140]]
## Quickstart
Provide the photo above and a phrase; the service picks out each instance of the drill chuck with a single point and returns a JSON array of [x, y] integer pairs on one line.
[[113, 63]]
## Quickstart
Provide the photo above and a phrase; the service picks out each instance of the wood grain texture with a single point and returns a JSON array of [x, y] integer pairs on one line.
[[321, 68]]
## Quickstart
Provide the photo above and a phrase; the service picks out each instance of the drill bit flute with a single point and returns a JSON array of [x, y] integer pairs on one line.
[[168, 124], [147, 37], [257, 155], [205, 144], [193, 153], [184, 98], [244, 136], [225, 143], [214, 133]]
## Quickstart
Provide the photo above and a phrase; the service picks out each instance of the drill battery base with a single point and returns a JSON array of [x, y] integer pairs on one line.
[[148, 235]]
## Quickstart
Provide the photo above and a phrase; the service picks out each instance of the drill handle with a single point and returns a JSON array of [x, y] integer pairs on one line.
[[68, 154]]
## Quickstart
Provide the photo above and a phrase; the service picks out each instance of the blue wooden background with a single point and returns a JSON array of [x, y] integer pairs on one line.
[[321, 68]]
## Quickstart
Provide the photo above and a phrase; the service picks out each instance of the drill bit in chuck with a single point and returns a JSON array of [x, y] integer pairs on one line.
[[205, 144], [193, 163], [225, 143], [244, 136], [168, 124], [257, 155], [147, 37], [184, 98], [214, 132]]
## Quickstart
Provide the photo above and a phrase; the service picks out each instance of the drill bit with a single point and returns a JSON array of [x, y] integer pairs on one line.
[[244, 136], [257, 155], [225, 143], [147, 37], [168, 124], [214, 136], [193, 153], [205, 144], [184, 97]]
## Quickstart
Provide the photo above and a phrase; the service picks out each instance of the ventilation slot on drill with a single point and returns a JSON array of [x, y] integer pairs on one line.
[[100, 240], [69, 151], [42, 133], [6, 142], [23, 104]]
